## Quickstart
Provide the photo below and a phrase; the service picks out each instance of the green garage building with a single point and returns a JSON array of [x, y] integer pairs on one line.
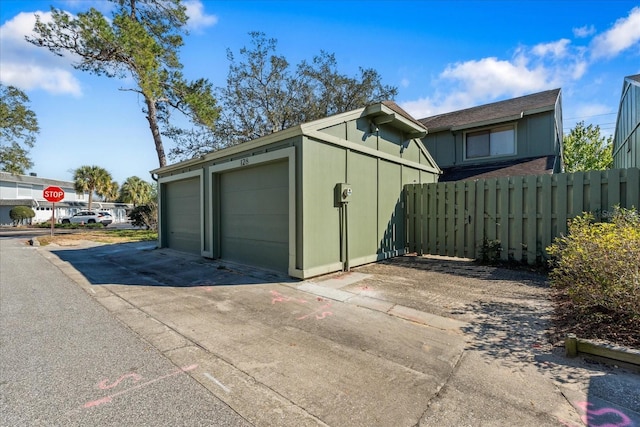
[[312, 199]]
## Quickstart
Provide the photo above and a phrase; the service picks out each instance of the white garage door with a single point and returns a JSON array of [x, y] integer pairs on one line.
[[254, 216]]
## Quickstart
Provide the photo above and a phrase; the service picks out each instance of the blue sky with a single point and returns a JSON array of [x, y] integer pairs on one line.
[[442, 56]]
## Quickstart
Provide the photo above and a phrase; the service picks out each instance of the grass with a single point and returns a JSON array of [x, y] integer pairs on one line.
[[102, 235]]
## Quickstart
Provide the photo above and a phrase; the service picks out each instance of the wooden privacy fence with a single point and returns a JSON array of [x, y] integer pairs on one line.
[[515, 217]]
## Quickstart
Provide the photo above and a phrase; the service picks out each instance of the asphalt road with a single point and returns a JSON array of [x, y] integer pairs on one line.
[[65, 361], [96, 334]]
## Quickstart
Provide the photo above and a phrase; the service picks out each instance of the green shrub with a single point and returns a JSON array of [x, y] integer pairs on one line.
[[490, 250], [145, 216], [598, 266], [21, 214], [71, 226]]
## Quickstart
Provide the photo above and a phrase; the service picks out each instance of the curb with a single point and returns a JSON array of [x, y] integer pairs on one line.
[[605, 353]]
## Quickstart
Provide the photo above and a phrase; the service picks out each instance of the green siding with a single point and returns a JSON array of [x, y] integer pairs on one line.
[[411, 151], [254, 217], [441, 145], [535, 136], [324, 167], [337, 130], [390, 213], [182, 207], [390, 141], [626, 144], [362, 209]]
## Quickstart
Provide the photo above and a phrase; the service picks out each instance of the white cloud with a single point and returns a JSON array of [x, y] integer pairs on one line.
[[583, 32], [555, 49], [624, 34], [198, 18], [29, 77], [490, 77], [29, 67], [476, 82], [592, 110]]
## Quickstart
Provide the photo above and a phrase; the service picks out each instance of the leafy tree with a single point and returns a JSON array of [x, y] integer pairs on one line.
[[18, 129], [135, 190], [140, 42], [92, 179], [264, 94], [585, 149], [110, 193], [21, 213]]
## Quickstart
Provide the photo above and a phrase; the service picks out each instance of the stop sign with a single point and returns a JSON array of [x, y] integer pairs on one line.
[[53, 194]]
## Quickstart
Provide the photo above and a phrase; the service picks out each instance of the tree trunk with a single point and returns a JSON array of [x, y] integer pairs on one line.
[[152, 117]]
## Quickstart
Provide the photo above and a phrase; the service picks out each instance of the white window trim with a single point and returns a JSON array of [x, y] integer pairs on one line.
[[515, 142]]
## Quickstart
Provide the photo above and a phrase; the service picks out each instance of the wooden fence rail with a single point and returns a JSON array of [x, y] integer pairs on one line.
[[518, 217]]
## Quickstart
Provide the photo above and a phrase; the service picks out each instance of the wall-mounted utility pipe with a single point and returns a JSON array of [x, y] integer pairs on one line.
[[347, 265]]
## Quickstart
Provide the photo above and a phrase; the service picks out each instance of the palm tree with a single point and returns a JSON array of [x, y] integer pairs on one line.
[[135, 190], [91, 179], [111, 192]]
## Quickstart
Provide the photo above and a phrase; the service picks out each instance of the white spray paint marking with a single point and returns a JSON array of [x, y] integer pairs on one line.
[[212, 378]]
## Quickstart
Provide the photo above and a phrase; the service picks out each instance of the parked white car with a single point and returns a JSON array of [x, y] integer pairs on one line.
[[88, 217]]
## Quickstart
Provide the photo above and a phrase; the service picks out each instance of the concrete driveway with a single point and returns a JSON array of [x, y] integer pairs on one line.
[[355, 349]]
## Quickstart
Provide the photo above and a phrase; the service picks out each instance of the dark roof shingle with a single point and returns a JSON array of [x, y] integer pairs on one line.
[[635, 77], [518, 167], [395, 107], [493, 111]]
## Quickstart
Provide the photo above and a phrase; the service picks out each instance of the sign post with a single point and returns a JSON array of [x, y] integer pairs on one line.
[[53, 194]]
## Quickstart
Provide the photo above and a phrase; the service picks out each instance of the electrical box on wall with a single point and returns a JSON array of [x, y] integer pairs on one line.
[[342, 194]]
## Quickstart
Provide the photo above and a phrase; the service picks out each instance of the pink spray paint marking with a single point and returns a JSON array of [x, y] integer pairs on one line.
[[590, 416], [278, 297], [109, 399], [320, 313], [102, 385]]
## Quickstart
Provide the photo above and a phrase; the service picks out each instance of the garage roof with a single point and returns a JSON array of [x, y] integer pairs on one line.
[[388, 113]]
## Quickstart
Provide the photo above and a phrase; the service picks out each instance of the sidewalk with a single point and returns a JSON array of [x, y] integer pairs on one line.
[[341, 350]]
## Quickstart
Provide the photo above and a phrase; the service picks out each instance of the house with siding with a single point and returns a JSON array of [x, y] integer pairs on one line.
[[626, 140], [518, 136], [27, 190], [316, 198]]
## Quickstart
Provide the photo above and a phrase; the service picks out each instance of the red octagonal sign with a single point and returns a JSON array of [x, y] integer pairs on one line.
[[53, 194]]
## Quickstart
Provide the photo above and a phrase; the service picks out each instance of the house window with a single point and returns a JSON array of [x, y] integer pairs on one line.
[[24, 191], [499, 141]]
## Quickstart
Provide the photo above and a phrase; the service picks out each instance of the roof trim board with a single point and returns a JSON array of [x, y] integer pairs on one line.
[[486, 122]]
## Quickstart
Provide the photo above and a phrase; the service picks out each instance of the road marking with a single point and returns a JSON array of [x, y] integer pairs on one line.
[[108, 399], [103, 385], [212, 378]]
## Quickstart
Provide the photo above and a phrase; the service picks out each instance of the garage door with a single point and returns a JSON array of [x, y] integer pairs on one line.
[[182, 214], [254, 216]]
